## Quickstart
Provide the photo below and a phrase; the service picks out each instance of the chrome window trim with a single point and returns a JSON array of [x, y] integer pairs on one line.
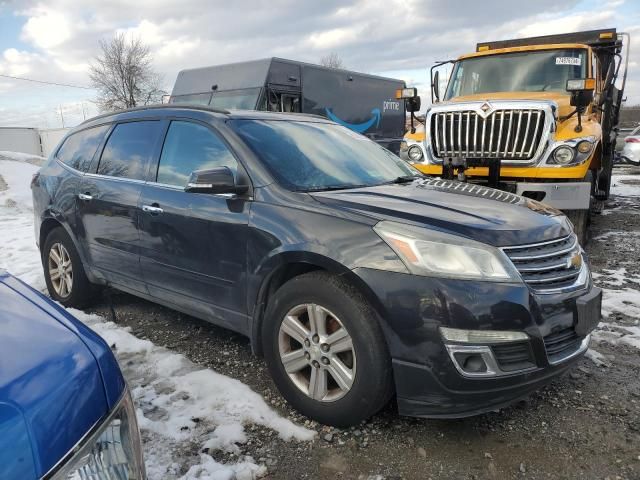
[[548, 135], [119, 179]]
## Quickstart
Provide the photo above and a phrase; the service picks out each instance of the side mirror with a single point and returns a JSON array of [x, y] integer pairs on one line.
[[435, 86], [581, 91], [413, 104], [218, 180]]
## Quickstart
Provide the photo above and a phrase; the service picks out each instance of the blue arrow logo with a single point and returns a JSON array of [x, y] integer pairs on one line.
[[357, 127]]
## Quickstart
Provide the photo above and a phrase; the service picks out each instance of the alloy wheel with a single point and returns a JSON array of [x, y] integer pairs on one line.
[[60, 270], [317, 352]]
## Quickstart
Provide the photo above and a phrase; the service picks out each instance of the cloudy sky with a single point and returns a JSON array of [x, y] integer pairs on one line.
[[55, 40]]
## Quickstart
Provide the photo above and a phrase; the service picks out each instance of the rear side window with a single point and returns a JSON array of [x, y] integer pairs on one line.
[[189, 147], [78, 149], [129, 150]]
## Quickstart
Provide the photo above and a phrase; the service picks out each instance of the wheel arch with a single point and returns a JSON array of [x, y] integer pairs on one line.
[[291, 265]]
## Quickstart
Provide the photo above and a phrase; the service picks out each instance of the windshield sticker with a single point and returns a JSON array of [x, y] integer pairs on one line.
[[569, 61]]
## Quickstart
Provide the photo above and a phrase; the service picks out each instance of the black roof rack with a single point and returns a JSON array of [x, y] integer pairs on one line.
[[594, 38]]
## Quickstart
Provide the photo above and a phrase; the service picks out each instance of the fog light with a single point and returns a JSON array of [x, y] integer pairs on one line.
[[471, 363]]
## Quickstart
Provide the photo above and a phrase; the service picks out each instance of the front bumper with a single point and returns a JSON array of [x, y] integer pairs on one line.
[[428, 383]]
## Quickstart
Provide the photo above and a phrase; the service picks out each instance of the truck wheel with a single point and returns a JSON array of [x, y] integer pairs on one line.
[[63, 271], [325, 350], [581, 220]]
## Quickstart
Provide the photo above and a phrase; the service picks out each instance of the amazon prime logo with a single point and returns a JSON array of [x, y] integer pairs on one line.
[[390, 105]]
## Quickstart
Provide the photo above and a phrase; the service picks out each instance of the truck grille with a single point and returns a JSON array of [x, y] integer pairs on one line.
[[505, 134], [548, 265], [561, 344]]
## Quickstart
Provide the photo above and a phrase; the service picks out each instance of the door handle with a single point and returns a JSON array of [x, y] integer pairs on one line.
[[85, 196], [152, 210]]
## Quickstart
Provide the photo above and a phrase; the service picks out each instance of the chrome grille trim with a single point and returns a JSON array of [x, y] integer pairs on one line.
[[551, 266], [516, 131]]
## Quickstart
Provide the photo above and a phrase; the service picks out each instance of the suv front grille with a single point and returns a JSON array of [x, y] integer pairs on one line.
[[549, 265], [505, 134], [561, 344]]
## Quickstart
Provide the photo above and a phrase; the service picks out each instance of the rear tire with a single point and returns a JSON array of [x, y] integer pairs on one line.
[[347, 351], [581, 220], [64, 272]]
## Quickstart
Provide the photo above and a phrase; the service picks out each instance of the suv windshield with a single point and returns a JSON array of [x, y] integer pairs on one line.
[[532, 71], [309, 156]]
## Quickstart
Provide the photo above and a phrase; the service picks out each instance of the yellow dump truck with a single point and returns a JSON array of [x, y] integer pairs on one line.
[[532, 116]]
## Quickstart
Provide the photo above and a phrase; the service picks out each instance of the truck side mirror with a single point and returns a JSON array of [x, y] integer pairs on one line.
[[413, 104], [435, 86], [581, 91]]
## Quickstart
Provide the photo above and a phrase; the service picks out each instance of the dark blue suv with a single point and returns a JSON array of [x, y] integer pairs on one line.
[[353, 274], [65, 411]]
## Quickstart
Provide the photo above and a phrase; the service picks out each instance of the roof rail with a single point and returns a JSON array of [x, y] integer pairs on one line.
[[157, 107]]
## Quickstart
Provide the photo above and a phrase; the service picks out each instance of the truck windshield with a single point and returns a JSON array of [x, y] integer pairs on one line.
[[532, 71], [309, 156]]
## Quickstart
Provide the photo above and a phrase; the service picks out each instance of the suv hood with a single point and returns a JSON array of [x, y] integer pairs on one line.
[[479, 213], [51, 388]]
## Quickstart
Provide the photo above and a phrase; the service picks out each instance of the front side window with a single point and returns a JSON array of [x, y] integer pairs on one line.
[[129, 150], [532, 71], [310, 156], [189, 147], [78, 149]]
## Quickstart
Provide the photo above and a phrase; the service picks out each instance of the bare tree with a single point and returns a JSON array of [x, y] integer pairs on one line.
[[332, 60], [123, 74]]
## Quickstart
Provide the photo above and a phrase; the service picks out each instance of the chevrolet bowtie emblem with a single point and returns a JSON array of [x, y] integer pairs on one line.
[[575, 261]]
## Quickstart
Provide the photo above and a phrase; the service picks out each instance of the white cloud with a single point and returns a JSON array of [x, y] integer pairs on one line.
[[373, 36]]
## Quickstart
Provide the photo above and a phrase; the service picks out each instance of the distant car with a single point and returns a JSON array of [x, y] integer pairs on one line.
[[356, 276], [631, 151], [65, 411]]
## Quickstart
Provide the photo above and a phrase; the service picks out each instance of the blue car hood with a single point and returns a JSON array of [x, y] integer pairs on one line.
[[52, 390]]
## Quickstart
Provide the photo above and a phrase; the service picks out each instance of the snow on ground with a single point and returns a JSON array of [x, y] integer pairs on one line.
[[179, 404], [626, 185]]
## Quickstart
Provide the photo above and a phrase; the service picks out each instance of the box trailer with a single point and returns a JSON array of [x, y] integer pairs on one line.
[[367, 104]]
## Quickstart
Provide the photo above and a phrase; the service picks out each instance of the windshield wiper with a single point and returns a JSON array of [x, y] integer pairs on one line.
[[405, 179]]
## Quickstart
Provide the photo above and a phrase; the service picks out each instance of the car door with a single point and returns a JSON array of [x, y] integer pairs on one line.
[[193, 245], [108, 202]]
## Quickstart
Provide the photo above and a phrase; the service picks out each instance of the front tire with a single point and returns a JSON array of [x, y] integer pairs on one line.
[[63, 271], [581, 220], [326, 351]]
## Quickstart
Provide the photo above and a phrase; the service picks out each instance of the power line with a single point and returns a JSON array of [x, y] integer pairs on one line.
[[46, 83]]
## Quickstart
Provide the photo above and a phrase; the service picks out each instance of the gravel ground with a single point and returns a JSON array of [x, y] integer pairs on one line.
[[585, 424]]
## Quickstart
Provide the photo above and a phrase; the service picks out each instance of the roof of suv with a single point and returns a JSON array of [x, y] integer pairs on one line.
[[236, 114]]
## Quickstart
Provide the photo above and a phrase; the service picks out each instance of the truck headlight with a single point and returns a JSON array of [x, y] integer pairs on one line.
[[563, 155], [431, 253], [112, 451], [415, 153]]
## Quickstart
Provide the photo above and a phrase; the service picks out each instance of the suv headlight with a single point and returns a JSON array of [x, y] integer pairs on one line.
[[112, 451], [431, 253]]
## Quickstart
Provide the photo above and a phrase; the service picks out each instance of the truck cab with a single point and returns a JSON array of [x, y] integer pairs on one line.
[[531, 116]]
